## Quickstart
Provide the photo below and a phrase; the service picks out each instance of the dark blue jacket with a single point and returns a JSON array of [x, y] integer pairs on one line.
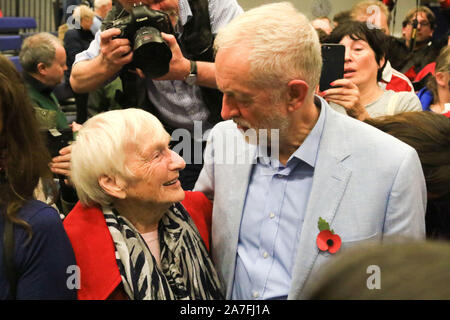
[[43, 265]]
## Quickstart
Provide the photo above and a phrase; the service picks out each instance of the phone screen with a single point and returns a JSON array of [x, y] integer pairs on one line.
[[333, 56]]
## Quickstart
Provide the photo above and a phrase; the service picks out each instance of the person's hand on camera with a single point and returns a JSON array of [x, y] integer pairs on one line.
[[179, 66], [61, 164], [346, 94], [115, 52], [139, 72]]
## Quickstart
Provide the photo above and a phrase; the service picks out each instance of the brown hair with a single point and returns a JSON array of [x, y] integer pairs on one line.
[[27, 157], [341, 17], [429, 134], [414, 11], [405, 270]]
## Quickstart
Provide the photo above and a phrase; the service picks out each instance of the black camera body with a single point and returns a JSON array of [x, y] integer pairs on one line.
[[58, 139], [143, 29]]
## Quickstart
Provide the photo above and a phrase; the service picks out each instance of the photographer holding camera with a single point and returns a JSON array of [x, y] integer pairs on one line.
[[168, 44]]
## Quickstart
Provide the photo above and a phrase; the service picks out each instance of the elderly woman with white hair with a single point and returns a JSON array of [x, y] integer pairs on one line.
[[132, 237]]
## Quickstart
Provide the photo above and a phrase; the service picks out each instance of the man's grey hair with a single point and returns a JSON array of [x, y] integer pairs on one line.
[[284, 46], [102, 147], [40, 47]]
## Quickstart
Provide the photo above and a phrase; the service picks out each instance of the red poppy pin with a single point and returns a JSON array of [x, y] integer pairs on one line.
[[327, 240]]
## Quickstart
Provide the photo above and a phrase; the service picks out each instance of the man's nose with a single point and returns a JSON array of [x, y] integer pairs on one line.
[[229, 109]]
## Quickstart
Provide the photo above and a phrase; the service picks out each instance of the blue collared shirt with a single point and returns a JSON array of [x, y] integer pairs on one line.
[[178, 103], [96, 24], [272, 221]]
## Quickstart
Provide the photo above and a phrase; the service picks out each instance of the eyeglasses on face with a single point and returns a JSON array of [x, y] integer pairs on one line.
[[421, 23]]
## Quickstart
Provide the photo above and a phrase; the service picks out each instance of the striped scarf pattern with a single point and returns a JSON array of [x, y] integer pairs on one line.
[[186, 273]]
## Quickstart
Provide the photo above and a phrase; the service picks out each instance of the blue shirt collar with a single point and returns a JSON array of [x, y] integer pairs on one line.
[[307, 152]]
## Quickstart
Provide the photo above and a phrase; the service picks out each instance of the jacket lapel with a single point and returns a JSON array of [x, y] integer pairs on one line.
[[329, 183], [228, 225]]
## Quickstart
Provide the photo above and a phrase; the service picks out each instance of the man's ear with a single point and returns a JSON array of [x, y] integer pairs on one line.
[[41, 68], [297, 93], [114, 186]]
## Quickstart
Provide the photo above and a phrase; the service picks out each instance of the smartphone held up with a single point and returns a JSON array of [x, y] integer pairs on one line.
[[333, 56]]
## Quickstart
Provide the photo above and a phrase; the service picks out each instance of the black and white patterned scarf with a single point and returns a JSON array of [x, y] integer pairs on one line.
[[186, 270]]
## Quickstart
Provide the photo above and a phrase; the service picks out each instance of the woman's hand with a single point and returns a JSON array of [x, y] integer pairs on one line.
[[346, 94]]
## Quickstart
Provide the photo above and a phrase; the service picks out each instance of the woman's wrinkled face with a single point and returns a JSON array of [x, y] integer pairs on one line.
[[155, 170], [360, 64]]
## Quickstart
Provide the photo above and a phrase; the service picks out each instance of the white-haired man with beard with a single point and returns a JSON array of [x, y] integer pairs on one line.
[[184, 96], [328, 168]]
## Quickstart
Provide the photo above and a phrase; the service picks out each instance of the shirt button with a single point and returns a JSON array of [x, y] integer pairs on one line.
[[255, 294], [272, 215], [265, 255]]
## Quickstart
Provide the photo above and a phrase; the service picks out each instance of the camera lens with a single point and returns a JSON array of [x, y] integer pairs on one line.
[[151, 53]]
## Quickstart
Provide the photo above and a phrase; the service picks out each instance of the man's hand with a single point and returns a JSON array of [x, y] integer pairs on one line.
[[89, 75], [345, 93], [179, 67], [115, 52]]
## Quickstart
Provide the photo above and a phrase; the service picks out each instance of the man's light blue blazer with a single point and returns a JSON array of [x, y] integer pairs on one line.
[[367, 184]]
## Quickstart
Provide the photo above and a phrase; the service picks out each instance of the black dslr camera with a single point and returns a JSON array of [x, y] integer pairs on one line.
[[143, 29], [58, 139]]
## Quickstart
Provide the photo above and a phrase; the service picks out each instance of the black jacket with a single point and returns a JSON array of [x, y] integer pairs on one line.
[[75, 41]]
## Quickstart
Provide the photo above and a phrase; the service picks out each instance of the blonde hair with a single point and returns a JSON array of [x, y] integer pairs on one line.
[[83, 12], [284, 45], [360, 9], [442, 65], [443, 60], [101, 148]]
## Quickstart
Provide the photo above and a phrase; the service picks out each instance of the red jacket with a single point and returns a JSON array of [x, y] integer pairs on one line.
[[94, 248], [429, 68], [392, 79]]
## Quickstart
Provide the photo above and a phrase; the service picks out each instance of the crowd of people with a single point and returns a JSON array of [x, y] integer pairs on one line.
[[229, 175]]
